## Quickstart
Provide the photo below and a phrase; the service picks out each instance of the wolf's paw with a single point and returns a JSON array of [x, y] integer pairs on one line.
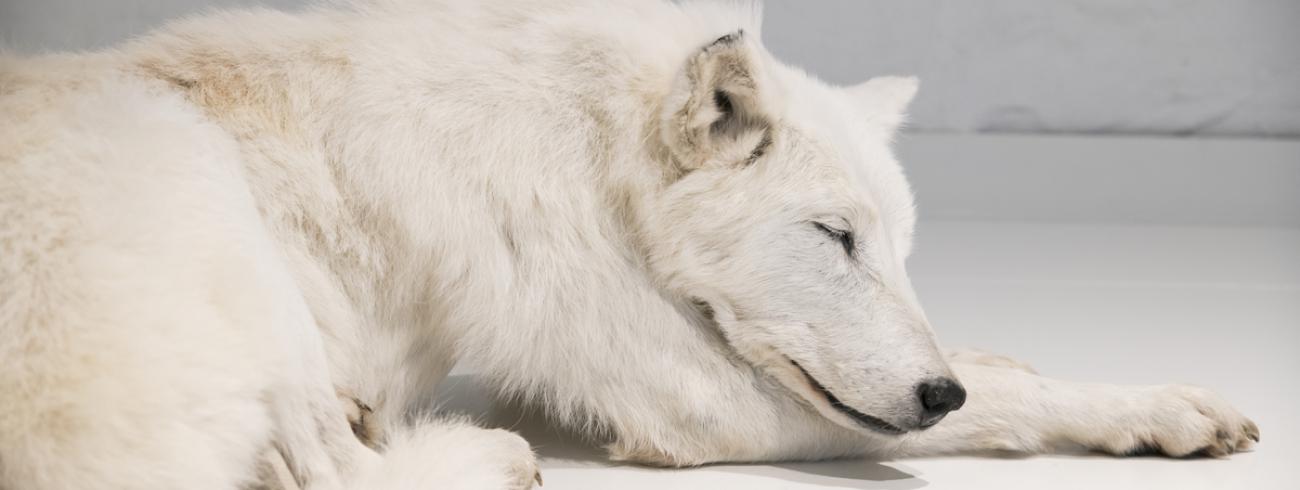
[[1180, 421], [363, 421], [505, 455], [522, 470], [456, 456]]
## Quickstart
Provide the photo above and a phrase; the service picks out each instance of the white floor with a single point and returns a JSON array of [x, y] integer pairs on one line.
[[1217, 307]]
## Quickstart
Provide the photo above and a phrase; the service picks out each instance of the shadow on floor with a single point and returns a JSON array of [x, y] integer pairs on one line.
[[834, 474], [461, 394]]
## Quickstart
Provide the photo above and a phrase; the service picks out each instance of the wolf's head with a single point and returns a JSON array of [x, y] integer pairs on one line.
[[790, 221]]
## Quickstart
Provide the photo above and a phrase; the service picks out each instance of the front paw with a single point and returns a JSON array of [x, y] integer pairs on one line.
[[454, 456], [515, 457], [1180, 421]]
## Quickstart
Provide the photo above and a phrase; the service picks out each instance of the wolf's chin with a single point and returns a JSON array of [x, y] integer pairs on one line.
[[862, 420], [708, 315]]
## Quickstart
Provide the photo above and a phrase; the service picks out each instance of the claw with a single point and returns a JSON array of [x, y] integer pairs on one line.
[[538, 476]]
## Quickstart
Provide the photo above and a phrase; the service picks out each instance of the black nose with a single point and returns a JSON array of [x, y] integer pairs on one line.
[[938, 397]]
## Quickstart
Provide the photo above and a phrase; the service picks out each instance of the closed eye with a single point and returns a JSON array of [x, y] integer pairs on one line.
[[844, 237]]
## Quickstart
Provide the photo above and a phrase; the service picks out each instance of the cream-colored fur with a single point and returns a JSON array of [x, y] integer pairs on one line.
[[256, 231]]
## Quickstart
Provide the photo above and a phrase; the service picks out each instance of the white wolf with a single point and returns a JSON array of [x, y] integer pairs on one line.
[[257, 236]]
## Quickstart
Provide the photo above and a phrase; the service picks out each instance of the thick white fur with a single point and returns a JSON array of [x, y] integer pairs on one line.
[[248, 230]]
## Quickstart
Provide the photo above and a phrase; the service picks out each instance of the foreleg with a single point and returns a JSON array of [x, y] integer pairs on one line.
[[1014, 410]]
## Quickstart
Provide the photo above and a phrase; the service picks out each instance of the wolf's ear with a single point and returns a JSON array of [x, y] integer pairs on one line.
[[713, 113], [885, 99]]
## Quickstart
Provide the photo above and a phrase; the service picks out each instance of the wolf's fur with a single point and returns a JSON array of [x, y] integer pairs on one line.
[[259, 231]]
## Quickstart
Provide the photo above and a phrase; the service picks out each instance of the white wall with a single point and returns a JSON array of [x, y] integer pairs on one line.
[[31, 26], [1218, 67], [1104, 179], [1200, 67]]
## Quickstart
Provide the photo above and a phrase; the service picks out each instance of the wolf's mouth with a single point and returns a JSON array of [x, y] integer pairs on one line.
[[706, 312], [862, 419]]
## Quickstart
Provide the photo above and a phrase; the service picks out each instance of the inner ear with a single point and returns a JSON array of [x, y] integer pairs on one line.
[[730, 123], [723, 103], [713, 114]]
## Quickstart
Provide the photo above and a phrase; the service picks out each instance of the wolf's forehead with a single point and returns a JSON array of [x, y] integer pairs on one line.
[[831, 139], [802, 177], [867, 159], [858, 175]]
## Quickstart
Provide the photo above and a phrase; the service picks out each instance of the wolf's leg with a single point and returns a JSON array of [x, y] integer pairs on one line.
[[134, 355], [127, 405], [453, 455], [384, 378], [380, 406], [1013, 410], [151, 334], [313, 434], [129, 365], [976, 356]]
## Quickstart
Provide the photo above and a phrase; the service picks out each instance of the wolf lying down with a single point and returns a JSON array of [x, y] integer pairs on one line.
[[257, 233]]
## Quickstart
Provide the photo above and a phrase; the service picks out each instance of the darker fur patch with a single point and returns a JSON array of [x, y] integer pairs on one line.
[[511, 245], [723, 103], [705, 309], [1145, 448], [727, 39], [359, 426], [762, 147]]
